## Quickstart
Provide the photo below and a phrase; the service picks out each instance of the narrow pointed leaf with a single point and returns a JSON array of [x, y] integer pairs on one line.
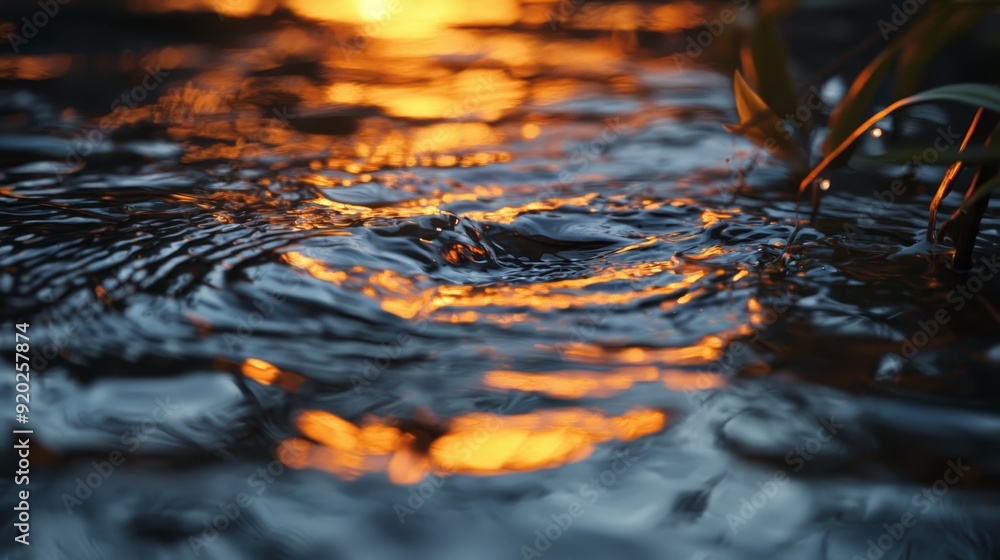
[[901, 156], [759, 124], [914, 49], [969, 94], [949, 177], [851, 110], [771, 65], [981, 192]]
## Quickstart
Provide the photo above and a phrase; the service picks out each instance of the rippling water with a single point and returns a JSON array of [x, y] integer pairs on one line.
[[363, 280]]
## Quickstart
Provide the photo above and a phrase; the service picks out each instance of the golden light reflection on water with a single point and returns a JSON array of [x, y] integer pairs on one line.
[[406, 298], [415, 18], [617, 369], [315, 267], [402, 298], [577, 384], [373, 87], [268, 374], [706, 350], [644, 365], [455, 70], [480, 94], [402, 42], [41, 67], [572, 384], [430, 206], [408, 19], [474, 444]]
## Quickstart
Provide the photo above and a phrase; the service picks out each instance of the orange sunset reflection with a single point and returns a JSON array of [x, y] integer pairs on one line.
[[460, 74], [473, 444], [268, 374], [358, 117]]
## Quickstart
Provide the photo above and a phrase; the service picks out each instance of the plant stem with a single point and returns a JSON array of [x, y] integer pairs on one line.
[[965, 244]]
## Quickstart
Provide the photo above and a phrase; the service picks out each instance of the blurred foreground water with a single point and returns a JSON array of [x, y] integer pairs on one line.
[[470, 280]]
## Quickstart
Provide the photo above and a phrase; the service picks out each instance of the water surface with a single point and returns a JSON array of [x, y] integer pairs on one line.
[[363, 280]]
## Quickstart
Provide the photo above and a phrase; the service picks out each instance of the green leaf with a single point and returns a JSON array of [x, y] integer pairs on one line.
[[759, 124], [977, 95], [903, 156], [768, 63]]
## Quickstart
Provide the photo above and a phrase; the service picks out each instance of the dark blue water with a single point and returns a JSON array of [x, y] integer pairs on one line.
[[356, 280]]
